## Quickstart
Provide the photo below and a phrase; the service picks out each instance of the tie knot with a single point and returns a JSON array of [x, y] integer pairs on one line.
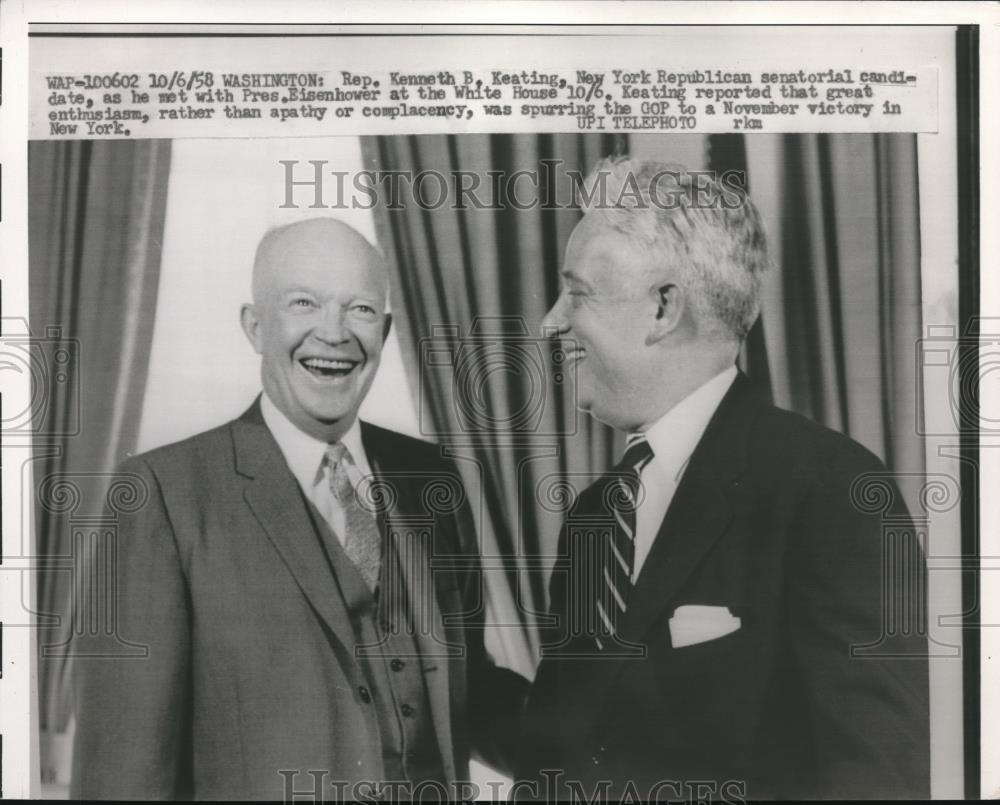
[[338, 458], [336, 452], [638, 453]]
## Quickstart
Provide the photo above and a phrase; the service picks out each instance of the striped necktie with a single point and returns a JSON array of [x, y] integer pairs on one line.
[[622, 495], [362, 541]]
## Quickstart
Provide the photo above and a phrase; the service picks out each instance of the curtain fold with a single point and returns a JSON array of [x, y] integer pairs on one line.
[[847, 252], [491, 274], [95, 226]]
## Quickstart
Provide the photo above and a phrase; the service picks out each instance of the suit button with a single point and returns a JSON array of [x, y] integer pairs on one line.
[[365, 694], [406, 710], [397, 665]]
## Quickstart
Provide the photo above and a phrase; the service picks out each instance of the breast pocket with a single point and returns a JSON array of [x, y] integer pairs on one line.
[[709, 646]]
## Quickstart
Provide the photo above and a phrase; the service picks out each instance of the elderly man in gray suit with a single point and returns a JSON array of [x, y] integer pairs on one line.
[[301, 638]]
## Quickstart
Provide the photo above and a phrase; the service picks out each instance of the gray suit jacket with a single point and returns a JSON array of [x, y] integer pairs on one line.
[[251, 680]]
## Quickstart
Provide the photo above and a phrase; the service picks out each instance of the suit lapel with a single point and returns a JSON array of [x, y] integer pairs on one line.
[[274, 497], [414, 559], [276, 500], [700, 512]]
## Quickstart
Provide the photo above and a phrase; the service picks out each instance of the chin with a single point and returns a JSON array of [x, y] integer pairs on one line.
[[605, 414], [604, 419], [330, 415], [328, 411]]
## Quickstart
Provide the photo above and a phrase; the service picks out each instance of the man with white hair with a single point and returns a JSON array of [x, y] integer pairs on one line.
[[720, 602]]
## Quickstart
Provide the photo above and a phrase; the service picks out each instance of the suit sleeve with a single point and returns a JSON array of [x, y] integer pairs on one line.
[[863, 670], [496, 695], [133, 713], [540, 740]]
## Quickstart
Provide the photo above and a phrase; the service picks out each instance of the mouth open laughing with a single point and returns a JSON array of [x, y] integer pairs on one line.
[[329, 369]]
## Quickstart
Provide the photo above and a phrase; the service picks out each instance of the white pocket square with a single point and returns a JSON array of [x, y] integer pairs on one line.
[[696, 623]]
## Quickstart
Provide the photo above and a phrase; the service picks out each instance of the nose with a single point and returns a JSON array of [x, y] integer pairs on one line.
[[555, 322], [329, 326]]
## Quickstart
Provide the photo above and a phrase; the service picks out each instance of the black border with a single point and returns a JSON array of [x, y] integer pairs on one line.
[[967, 142]]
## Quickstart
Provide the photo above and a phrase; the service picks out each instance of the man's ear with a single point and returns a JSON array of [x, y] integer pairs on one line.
[[250, 322], [669, 311], [386, 326]]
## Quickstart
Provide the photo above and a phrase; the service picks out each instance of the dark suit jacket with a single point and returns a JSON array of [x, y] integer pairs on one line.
[[251, 666], [762, 523]]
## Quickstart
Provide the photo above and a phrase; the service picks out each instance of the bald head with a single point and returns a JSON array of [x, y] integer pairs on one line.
[[317, 243], [318, 321]]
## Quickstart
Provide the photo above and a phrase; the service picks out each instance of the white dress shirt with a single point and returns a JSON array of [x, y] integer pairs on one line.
[[673, 438], [304, 456]]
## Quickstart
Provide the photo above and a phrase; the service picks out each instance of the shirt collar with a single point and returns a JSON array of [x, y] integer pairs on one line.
[[304, 453], [674, 436]]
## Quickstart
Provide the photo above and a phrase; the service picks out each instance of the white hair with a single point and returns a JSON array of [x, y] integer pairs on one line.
[[703, 226]]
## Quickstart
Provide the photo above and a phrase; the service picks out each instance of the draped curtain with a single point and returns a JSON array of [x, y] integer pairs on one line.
[[841, 313], [491, 274], [96, 214]]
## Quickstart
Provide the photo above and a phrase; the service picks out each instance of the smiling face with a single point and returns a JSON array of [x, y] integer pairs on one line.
[[604, 314], [318, 323]]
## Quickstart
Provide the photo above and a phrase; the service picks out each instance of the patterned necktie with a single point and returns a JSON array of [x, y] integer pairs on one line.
[[362, 541], [622, 496]]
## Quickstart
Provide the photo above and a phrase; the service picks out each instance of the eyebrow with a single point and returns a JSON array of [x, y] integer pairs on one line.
[[375, 300]]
